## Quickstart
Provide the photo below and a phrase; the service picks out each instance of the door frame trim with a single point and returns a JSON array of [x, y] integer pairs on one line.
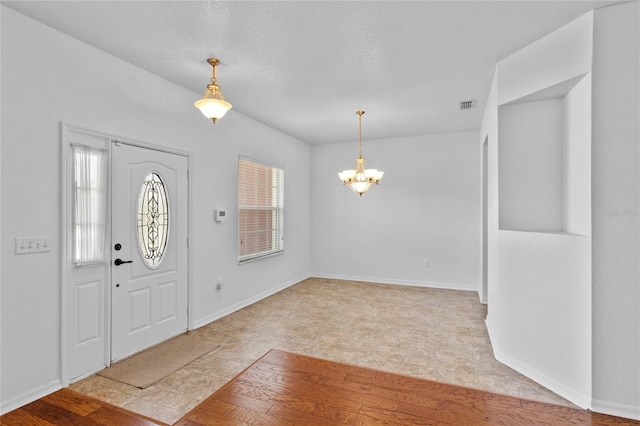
[[66, 244]]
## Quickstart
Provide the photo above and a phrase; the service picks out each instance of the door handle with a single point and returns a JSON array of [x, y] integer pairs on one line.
[[119, 262]]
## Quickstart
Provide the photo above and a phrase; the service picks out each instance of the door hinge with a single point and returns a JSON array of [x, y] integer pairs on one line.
[[188, 175], [187, 242]]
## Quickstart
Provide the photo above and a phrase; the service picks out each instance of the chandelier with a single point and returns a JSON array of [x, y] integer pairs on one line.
[[360, 179], [212, 105]]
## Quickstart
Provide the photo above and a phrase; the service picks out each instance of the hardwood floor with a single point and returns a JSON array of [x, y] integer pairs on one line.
[[68, 407], [283, 388]]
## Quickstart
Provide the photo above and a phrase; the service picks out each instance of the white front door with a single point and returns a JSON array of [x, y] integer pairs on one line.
[[149, 252]]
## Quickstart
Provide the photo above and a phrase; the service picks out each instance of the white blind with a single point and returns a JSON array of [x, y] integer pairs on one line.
[[260, 210], [90, 205]]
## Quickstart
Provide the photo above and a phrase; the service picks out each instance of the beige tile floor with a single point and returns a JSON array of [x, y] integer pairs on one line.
[[428, 333]]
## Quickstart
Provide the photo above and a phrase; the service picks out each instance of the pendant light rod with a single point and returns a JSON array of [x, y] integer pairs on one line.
[[360, 113]]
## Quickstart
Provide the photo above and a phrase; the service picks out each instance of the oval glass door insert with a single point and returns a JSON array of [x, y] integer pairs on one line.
[[153, 219]]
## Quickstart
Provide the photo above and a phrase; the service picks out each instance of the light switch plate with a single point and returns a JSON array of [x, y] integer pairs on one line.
[[26, 245]]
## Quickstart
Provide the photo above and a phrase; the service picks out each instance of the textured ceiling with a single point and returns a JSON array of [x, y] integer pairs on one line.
[[305, 67]]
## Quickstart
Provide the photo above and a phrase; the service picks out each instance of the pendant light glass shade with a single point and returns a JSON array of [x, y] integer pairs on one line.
[[360, 179], [213, 108], [213, 105]]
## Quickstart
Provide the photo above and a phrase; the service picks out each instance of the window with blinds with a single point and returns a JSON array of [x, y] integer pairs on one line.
[[260, 210]]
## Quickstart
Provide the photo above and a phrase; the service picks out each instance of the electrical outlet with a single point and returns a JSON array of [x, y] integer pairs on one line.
[[427, 263], [27, 245]]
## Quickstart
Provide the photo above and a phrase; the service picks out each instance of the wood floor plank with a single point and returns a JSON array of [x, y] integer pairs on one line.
[[116, 416], [328, 390], [335, 415], [234, 399], [251, 417], [265, 394], [440, 414], [297, 417], [397, 394], [57, 415], [67, 407], [187, 422], [212, 412], [20, 417], [76, 403], [397, 418], [331, 390]]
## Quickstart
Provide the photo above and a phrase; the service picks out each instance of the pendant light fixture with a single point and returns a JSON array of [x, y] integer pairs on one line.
[[212, 105], [360, 180]]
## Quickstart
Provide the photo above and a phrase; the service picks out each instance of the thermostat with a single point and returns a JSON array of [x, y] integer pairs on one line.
[[220, 215]]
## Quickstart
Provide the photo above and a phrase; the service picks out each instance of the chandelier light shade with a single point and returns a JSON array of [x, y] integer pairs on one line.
[[360, 179], [212, 105]]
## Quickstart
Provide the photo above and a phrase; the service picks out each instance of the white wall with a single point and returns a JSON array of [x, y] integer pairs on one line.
[[558, 57], [576, 159], [425, 207], [601, 190], [543, 326], [530, 164], [540, 282], [77, 84], [616, 280], [489, 133], [545, 159]]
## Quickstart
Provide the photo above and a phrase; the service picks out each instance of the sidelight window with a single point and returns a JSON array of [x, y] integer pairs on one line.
[[90, 205]]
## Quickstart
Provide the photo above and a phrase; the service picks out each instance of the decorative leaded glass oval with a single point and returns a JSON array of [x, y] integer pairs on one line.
[[153, 219]]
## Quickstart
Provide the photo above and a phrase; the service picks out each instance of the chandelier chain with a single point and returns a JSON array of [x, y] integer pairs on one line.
[[214, 63]]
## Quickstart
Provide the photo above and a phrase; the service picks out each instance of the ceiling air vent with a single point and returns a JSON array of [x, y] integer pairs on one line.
[[464, 105]]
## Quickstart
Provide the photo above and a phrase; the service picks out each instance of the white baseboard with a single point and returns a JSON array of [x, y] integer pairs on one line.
[[615, 409], [30, 396], [250, 301], [572, 395], [426, 284]]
